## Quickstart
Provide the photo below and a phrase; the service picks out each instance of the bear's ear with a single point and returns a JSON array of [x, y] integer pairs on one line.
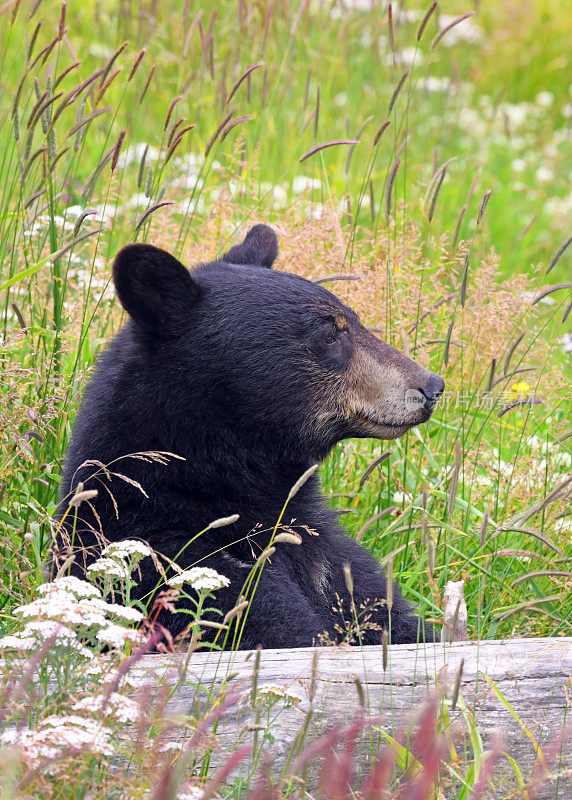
[[260, 248], [155, 289]]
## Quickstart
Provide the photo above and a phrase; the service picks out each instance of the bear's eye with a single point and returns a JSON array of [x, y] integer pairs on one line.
[[330, 334]]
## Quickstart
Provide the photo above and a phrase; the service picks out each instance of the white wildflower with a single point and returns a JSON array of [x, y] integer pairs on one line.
[[9, 736], [408, 15], [275, 691], [401, 497], [108, 567], [35, 633], [58, 604], [73, 211], [566, 342], [316, 210], [190, 181], [139, 680], [138, 200], [86, 613], [534, 443], [357, 5], [17, 641], [46, 629], [54, 736], [59, 221], [433, 84], [125, 710], [483, 480], [518, 142], [303, 183], [92, 669], [544, 174], [466, 31], [117, 705], [504, 469], [191, 793], [518, 165], [104, 212], [92, 704], [41, 606], [277, 192], [117, 636], [194, 205], [71, 584], [134, 153], [192, 162], [544, 99], [126, 613], [279, 196], [128, 548], [366, 38], [516, 113], [559, 206], [100, 50], [407, 56], [470, 120], [202, 579]]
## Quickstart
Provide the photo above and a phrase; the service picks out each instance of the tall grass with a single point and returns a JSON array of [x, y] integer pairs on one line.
[[181, 125], [97, 151]]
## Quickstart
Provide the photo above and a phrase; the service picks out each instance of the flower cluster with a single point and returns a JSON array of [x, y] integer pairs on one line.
[[71, 584], [122, 708], [116, 636], [109, 567], [276, 692], [128, 549], [69, 614], [71, 610], [191, 792], [119, 559], [202, 579], [54, 736], [34, 634]]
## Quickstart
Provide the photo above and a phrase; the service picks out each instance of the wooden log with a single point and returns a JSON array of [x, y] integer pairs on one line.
[[518, 687]]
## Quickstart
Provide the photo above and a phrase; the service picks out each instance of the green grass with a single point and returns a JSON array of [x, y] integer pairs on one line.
[[320, 75], [482, 492]]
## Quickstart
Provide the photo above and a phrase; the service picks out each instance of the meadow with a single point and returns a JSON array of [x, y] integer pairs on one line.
[[416, 162]]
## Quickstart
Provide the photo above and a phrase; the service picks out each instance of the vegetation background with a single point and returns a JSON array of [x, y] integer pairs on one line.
[[443, 200]]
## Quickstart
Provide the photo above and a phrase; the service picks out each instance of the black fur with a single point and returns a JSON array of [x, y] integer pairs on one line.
[[226, 366]]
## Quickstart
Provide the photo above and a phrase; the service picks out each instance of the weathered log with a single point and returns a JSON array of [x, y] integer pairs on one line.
[[518, 687]]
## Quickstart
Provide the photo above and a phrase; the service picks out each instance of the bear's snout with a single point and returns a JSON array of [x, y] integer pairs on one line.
[[390, 392], [432, 391], [426, 396]]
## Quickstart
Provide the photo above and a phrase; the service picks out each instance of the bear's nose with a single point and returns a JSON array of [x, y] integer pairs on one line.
[[432, 391]]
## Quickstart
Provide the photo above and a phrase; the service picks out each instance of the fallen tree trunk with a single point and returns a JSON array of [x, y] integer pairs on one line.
[[519, 688]]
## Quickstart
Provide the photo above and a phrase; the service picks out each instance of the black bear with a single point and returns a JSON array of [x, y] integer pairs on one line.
[[251, 375]]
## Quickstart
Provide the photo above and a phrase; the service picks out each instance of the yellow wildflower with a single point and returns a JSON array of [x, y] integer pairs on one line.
[[518, 391]]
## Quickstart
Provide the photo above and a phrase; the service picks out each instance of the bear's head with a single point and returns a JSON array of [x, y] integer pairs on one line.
[[274, 358]]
